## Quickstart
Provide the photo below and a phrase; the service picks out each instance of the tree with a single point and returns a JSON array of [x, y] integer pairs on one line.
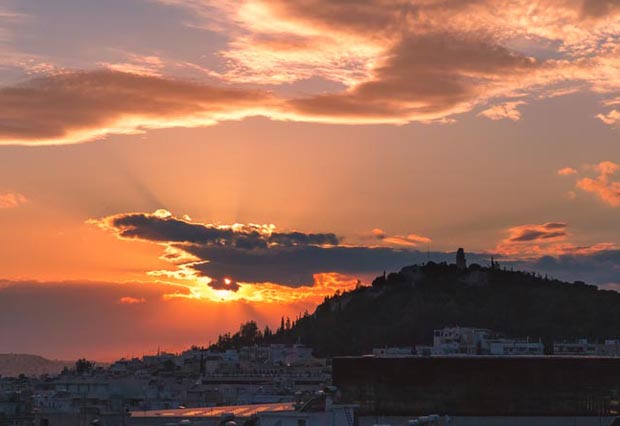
[[267, 333], [82, 366], [249, 333]]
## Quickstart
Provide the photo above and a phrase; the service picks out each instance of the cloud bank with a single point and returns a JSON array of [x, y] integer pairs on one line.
[[223, 256], [385, 62], [258, 263], [76, 106]]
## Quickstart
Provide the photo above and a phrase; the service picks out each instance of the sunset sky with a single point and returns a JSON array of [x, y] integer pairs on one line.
[[171, 168]]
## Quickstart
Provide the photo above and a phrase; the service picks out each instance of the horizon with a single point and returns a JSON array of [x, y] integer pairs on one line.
[[170, 169], [493, 265]]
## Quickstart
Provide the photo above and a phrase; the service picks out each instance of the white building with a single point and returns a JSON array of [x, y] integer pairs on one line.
[[512, 347], [580, 347], [460, 340], [289, 354]]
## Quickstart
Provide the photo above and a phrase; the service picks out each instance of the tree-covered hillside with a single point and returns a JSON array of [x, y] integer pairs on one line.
[[404, 308]]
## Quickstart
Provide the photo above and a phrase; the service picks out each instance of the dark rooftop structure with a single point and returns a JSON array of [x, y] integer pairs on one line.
[[480, 385]]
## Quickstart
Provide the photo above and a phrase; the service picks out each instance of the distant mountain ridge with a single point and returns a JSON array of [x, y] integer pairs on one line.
[[12, 365], [403, 309]]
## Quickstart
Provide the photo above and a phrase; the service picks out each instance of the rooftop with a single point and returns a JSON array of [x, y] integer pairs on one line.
[[237, 410]]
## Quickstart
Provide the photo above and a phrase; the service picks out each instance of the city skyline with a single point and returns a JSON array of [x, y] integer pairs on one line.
[[170, 169]]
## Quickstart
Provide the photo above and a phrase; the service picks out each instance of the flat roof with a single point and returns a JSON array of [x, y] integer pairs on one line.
[[237, 410], [465, 356]]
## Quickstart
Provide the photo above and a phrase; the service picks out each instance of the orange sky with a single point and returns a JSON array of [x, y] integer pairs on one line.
[[289, 149]]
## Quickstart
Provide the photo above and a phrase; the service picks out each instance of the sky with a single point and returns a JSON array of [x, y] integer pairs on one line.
[[172, 168]]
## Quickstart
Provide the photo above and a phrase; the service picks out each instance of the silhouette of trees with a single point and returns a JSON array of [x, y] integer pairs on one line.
[[403, 309], [83, 366]]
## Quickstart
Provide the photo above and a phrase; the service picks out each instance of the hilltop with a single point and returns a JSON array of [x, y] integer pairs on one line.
[[403, 308], [30, 365]]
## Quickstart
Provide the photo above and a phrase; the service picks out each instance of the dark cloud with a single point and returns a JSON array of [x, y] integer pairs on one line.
[[596, 268], [258, 254], [74, 106], [531, 235], [545, 231], [173, 230], [224, 284], [295, 266], [428, 75]]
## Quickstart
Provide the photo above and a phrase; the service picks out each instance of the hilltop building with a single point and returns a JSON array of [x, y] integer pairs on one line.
[[461, 262]]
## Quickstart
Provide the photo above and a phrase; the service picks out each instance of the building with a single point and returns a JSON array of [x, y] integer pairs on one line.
[[460, 340], [610, 348], [461, 262], [575, 348], [480, 385], [478, 341], [289, 354], [512, 347]]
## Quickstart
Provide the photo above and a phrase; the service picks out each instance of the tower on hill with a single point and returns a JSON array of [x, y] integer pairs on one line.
[[461, 263]]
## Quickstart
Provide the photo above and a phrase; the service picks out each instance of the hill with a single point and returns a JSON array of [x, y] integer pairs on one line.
[[12, 365], [403, 309]]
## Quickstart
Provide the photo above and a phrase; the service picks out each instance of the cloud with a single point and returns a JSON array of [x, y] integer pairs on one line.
[[75, 106], [605, 185], [258, 263], [370, 61], [599, 8], [225, 284], [600, 267], [424, 77], [138, 64], [293, 266], [307, 271], [507, 110], [161, 226], [567, 171], [411, 240], [537, 232], [10, 200], [129, 300], [231, 257], [532, 241], [612, 118], [456, 50]]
